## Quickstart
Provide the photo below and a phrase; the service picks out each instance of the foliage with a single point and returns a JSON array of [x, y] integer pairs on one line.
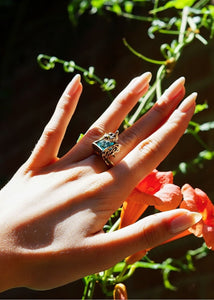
[[48, 62], [185, 21]]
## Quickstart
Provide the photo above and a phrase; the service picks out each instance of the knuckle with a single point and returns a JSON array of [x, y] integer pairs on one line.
[[159, 109], [147, 235], [130, 93], [131, 137], [150, 146], [125, 96], [64, 103], [95, 132], [177, 121], [50, 131], [151, 234]]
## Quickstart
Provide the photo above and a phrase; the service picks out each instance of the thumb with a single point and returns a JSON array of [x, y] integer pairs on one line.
[[147, 233]]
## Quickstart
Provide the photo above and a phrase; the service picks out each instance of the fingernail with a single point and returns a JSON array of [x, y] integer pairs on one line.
[[139, 83], [184, 221], [73, 85], [176, 87], [188, 102]]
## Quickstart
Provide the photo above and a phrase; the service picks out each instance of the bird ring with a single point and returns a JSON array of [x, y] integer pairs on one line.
[[107, 146]]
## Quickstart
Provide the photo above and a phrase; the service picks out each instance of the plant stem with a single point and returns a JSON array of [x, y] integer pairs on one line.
[[183, 25], [70, 66], [154, 61], [89, 288], [115, 226], [137, 113]]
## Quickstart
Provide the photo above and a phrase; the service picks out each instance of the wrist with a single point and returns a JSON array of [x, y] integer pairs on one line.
[[8, 276], [11, 265]]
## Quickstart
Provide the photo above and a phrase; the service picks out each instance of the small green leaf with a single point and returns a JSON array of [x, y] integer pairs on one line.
[[109, 84], [80, 137], [97, 4], [128, 6], [207, 155], [200, 107], [119, 267], [116, 9], [69, 66], [211, 10], [183, 167], [179, 4], [207, 126]]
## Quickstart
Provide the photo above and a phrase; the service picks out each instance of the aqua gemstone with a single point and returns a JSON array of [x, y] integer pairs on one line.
[[103, 144]]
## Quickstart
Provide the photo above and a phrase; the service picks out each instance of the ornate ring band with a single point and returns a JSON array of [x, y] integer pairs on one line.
[[107, 146]]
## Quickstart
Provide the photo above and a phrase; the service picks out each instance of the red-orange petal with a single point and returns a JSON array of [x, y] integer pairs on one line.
[[197, 200], [170, 197], [133, 207], [208, 234], [179, 236], [135, 257], [155, 181]]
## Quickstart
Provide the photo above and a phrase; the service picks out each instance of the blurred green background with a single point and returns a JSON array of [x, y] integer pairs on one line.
[[28, 96]]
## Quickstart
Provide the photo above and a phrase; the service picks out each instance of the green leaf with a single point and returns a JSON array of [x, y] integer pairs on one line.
[[200, 107], [109, 84], [97, 3], [207, 126], [206, 155], [183, 167], [119, 267], [211, 10], [80, 137], [116, 9], [179, 4], [128, 6], [69, 66]]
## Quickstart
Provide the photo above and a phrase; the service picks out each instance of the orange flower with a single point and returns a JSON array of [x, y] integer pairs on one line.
[[156, 189], [196, 200]]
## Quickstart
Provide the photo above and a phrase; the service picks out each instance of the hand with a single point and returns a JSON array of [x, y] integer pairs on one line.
[[53, 210]]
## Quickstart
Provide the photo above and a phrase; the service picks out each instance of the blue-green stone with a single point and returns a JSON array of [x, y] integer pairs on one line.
[[104, 144]]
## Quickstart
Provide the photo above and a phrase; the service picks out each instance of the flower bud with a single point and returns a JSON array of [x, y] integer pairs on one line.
[[120, 292]]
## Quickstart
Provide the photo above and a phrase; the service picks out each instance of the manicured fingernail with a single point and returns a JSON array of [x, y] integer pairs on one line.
[[139, 83], [73, 85], [184, 221], [176, 87], [188, 102]]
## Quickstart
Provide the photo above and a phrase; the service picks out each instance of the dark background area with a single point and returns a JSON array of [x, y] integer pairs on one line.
[[28, 96]]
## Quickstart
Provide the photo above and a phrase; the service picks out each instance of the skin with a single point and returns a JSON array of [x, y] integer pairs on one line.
[[53, 210]]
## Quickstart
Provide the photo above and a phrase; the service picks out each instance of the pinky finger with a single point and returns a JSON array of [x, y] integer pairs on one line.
[[145, 234]]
